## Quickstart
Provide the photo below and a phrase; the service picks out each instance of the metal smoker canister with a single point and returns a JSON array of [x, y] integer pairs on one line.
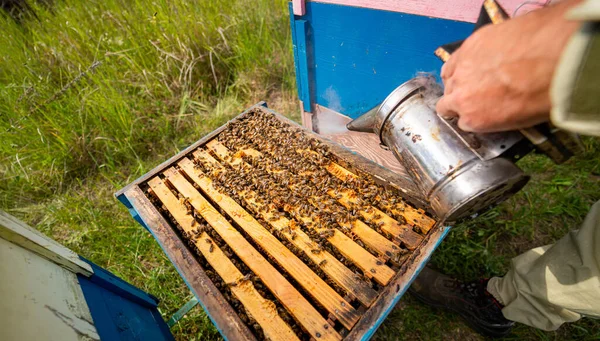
[[455, 180]]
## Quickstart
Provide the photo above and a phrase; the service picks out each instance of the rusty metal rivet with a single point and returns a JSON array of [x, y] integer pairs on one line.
[[373, 270]]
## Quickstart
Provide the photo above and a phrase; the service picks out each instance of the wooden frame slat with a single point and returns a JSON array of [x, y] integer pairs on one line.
[[259, 308], [388, 224], [370, 237], [226, 320], [337, 271], [412, 215], [370, 265], [262, 310], [310, 281], [297, 305], [402, 232]]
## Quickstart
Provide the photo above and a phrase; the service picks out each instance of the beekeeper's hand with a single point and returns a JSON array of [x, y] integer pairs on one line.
[[499, 79]]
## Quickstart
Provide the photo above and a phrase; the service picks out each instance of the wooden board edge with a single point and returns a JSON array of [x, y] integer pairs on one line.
[[389, 297], [366, 295], [252, 257], [19, 233], [227, 321]]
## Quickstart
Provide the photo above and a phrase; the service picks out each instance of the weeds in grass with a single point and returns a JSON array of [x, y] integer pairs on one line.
[[95, 85]]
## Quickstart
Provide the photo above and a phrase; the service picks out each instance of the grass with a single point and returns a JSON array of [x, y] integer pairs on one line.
[[96, 93]]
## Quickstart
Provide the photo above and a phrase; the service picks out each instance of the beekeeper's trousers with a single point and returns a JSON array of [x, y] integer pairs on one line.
[[553, 284]]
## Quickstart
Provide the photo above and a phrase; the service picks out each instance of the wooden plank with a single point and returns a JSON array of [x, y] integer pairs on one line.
[[413, 216], [371, 266], [461, 10], [402, 232], [304, 312], [260, 309], [262, 268], [298, 6], [329, 264], [361, 257], [310, 281], [348, 199], [40, 299], [221, 313], [17, 232], [369, 236]]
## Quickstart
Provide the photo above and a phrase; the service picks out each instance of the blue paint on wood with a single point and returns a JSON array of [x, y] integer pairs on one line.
[[359, 55], [382, 317], [107, 280], [121, 311], [179, 314], [303, 63], [295, 50], [123, 199]]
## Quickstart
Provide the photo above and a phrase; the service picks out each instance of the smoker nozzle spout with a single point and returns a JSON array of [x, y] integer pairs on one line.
[[364, 123]]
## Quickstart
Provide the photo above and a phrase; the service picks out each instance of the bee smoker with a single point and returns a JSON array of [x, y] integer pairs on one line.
[[459, 173]]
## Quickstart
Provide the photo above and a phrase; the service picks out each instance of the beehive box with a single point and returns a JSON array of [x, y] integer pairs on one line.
[[283, 235]]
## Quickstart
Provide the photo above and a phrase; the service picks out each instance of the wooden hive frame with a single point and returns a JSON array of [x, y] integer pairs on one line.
[[346, 304]]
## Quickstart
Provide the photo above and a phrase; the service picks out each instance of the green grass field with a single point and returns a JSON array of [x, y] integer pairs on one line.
[[96, 93]]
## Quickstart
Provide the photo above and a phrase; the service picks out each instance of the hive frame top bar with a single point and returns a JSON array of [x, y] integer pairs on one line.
[[180, 255], [380, 174]]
